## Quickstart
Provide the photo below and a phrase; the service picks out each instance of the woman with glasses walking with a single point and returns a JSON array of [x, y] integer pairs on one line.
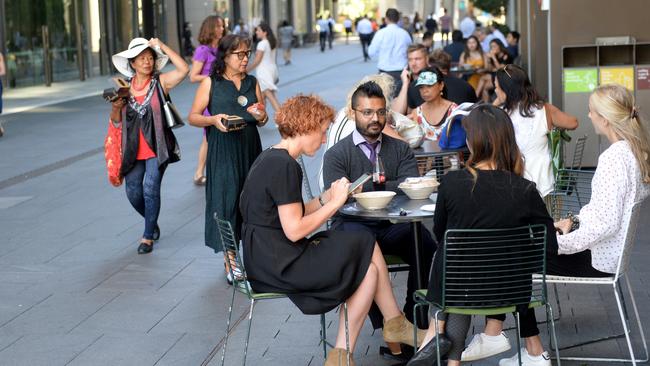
[[228, 92]]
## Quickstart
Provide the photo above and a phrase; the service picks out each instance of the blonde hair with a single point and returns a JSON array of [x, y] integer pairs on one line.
[[615, 103], [384, 81]]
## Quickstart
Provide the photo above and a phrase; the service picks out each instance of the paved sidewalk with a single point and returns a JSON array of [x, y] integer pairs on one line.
[[73, 291]]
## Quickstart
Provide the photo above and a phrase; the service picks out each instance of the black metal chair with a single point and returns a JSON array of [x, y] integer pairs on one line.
[[489, 272], [240, 284]]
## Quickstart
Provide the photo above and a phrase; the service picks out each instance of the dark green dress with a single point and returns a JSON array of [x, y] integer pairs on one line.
[[230, 156]]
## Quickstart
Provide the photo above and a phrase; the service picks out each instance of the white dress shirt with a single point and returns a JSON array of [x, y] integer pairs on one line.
[[364, 26], [498, 35], [616, 187], [467, 26], [389, 46], [323, 25]]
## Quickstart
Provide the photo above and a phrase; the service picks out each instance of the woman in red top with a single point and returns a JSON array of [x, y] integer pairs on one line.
[[148, 145]]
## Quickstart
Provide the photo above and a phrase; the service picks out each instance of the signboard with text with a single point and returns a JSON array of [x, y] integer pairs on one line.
[[643, 78], [618, 75], [580, 80]]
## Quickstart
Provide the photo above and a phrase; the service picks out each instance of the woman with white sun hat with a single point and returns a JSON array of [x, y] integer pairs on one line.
[[148, 145]]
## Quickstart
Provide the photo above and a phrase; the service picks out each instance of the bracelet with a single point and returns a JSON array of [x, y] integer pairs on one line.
[[575, 221], [320, 200]]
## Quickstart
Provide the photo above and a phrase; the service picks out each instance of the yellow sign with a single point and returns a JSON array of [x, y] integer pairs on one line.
[[618, 75]]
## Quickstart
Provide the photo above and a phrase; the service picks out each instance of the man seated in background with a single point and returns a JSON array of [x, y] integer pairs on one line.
[[513, 43], [456, 47], [458, 90]]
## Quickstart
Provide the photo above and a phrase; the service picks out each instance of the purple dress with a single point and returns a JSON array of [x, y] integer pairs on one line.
[[207, 55]]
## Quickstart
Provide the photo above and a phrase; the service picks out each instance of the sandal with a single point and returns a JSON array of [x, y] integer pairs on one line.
[[200, 181]]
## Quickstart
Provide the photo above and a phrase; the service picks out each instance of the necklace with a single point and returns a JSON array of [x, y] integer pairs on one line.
[[230, 77], [133, 84]]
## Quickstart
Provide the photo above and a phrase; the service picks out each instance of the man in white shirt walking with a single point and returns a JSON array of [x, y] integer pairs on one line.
[[389, 48], [324, 31], [364, 28], [467, 26]]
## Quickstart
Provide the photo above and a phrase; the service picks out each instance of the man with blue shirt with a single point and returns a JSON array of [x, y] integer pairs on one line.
[[389, 46]]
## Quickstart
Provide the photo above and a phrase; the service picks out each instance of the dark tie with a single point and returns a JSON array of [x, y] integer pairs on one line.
[[372, 147]]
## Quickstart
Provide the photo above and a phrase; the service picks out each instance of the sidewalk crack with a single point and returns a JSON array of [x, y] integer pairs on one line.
[[26, 310], [93, 313], [84, 349], [170, 348]]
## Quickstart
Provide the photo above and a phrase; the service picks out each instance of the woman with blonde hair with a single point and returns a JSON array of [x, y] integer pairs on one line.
[[212, 30]]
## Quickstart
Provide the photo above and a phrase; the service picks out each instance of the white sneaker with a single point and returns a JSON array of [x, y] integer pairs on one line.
[[527, 360], [483, 346]]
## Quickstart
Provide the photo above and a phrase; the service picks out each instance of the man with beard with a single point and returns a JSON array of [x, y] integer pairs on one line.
[[355, 155], [409, 95]]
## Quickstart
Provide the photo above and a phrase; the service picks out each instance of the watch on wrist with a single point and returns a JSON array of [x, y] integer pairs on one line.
[[575, 221], [320, 200]]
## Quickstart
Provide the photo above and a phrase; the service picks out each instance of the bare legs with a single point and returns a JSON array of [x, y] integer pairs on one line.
[[271, 96], [375, 285], [200, 166]]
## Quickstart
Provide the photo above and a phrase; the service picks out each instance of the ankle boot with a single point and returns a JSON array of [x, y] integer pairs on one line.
[[399, 330], [338, 357]]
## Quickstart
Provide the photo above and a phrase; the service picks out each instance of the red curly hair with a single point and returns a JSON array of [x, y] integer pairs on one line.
[[302, 114]]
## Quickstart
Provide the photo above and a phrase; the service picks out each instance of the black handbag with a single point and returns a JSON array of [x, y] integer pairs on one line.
[[173, 118]]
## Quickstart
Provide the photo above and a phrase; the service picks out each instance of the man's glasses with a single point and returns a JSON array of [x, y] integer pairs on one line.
[[368, 113], [242, 54]]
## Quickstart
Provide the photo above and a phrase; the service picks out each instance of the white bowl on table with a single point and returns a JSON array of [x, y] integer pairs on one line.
[[376, 200], [419, 188]]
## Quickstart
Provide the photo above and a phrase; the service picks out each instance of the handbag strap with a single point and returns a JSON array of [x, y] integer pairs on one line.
[[161, 91]]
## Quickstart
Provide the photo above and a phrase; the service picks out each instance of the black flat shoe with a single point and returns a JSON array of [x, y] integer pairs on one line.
[[428, 355], [145, 248], [156, 233]]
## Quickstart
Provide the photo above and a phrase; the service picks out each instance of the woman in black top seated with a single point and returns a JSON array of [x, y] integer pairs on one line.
[[330, 267], [489, 194]]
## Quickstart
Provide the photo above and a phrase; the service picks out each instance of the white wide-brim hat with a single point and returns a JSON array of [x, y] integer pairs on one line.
[[136, 46]]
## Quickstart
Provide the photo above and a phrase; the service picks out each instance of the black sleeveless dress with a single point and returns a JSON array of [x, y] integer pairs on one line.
[[317, 273], [230, 156]]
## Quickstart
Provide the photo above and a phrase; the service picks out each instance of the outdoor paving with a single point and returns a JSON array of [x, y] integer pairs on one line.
[[73, 291]]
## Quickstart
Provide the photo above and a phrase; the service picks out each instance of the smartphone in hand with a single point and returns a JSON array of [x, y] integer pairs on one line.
[[359, 182]]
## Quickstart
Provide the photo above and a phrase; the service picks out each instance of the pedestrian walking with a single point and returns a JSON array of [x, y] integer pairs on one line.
[[285, 33], [347, 24], [2, 74], [430, 24], [241, 29], [229, 91], [188, 47], [264, 64], [365, 30], [148, 144], [445, 26], [330, 36], [389, 47], [212, 29], [323, 32], [467, 26]]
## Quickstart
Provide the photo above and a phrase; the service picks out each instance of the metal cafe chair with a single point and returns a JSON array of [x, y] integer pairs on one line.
[[615, 281], [578, 152], [572, 191], [489, 272], [240, 284], [440, 162]]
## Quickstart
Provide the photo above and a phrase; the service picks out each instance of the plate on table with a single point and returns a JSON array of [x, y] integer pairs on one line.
[[430, 207]]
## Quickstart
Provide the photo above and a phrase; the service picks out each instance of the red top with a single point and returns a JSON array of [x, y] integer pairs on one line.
[[144, 150]]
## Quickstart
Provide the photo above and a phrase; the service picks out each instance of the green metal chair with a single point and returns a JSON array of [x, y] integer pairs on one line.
[[240, 284], [490, 272]]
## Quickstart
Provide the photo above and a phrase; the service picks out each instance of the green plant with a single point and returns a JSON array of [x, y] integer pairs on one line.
[[491, 6]]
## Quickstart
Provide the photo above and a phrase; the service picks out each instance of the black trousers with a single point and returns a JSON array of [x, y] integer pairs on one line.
[[322, 37], [575, 265], [397, 239], [365, 42]]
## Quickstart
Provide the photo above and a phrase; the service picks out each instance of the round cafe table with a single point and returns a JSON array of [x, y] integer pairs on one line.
[[414, 215]]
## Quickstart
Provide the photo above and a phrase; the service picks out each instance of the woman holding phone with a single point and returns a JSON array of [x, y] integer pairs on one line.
[[328, 268], [228, 92]]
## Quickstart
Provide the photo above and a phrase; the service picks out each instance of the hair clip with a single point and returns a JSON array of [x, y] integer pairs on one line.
[[635, 113]]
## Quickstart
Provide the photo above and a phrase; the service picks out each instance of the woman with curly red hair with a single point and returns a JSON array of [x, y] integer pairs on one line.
[[330, 267]]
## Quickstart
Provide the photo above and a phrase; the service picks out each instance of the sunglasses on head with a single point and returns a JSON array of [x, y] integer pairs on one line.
[[242, 54]]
